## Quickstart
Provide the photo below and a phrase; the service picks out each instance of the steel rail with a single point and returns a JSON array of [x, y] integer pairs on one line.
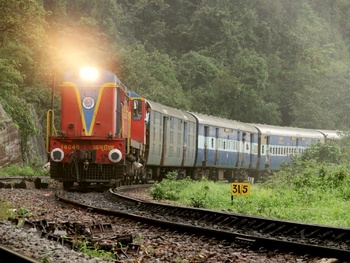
[[254, 242], [8, 255]]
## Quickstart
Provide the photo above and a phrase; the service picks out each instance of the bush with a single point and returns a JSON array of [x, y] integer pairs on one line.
[[168, 188], [25, 171]]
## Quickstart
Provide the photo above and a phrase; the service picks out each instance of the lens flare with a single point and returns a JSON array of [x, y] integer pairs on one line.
[[89, 73]]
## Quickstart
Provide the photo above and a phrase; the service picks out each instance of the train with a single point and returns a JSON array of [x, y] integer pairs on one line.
[[109, 134]]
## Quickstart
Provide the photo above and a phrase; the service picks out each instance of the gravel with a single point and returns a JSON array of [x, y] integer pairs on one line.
[[30, 244], [156, 245]]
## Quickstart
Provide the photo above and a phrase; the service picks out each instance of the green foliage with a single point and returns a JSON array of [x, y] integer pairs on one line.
[[281, 62], [169, 188], [195, 70], [25, 171], [314, 188], [10, 76], [19, 110], [21, 40], [268, 61], [21, 20], [94, 251], [323, 198], [203, 193], [22, 211], [155, 69], [10, 213], [322, 152], [200, 197], [318, 167], [5, 212]]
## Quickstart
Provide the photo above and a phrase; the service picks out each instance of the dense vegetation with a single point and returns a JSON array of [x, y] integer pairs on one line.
[[25, 171], [314, 188], [267, 61]]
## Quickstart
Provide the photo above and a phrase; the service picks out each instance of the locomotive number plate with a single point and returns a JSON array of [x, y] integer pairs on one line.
[[70, 146], [240, 189]]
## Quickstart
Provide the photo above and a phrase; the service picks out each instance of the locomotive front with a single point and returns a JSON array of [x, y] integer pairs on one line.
[[91, 144]]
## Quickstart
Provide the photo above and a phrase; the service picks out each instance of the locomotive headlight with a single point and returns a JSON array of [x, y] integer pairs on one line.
[[57, 155], [89, 73], [115, 155]]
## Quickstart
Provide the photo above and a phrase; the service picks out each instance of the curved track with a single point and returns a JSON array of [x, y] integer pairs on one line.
[[7, 255], [255, 232]]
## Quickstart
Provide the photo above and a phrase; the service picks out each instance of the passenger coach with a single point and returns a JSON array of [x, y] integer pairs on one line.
[[172, 141], [225, 148], [277, 144]]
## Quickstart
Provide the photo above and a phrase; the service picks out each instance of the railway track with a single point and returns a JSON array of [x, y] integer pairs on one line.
[[256, 232], [8, 255]]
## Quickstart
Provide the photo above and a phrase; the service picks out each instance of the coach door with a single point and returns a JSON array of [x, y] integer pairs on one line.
[[268, 152], [297, 149], [216, 146], [185, 145], [260, 151], [244, 149], [251, 151], [206, 143], [264, 151], [239, 149], [164, 146]]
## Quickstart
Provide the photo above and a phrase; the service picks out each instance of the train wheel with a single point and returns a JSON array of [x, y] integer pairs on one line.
[[84, 184], [68, 185]]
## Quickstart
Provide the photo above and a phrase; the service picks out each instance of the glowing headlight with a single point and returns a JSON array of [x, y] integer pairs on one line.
[[89, 73], [57, 155], [115, 156]]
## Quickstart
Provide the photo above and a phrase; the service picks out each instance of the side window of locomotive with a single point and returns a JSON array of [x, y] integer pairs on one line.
[[137, 109]]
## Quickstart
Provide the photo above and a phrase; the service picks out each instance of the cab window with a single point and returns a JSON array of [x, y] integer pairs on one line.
[[137, 109]]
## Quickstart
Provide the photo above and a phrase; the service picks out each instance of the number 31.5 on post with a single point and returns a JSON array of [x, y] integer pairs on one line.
[[240, 189]]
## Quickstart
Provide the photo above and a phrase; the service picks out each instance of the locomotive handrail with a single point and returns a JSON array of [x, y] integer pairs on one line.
[[128, 141], [50, 128]]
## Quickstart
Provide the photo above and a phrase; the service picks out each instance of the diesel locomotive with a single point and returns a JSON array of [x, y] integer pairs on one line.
[[108, 135]]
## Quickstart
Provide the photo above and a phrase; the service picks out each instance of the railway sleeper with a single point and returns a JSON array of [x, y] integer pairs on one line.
[[267, 228], [249, 224]]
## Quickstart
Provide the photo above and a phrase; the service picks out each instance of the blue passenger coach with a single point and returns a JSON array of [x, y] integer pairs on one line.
[[225, 148], [277, 144]]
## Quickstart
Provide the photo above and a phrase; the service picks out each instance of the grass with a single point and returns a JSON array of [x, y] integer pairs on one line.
[[94, 251], [25, 171], [321, 203], [5, 210]]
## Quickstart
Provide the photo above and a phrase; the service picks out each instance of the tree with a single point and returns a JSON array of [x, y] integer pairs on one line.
[[151, 75], [21, 20], [195, 70], [311, 101]]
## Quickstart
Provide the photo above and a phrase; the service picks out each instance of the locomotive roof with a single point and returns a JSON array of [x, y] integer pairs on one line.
[[288, 131], [171, 111], [225, 123]]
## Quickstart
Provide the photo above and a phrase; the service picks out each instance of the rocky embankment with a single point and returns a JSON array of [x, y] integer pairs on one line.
[[10, 142]]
